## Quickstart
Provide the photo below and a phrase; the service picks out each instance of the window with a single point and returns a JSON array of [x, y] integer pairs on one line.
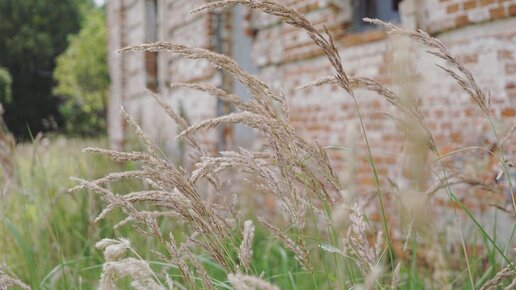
[[151, 35], [242, 53], [386, 10]]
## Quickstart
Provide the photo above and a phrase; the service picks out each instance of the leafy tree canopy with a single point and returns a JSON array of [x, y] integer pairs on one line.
[[83, 79], [32, 34], [5, 85]]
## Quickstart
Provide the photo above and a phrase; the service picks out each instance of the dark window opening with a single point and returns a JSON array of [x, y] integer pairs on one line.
[[151, 35], [386, 10]]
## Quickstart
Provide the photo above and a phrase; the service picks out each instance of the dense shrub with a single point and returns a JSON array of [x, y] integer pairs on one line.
[[83, 79]]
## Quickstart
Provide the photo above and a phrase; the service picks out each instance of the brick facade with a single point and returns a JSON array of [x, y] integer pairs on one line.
[[482, 33]]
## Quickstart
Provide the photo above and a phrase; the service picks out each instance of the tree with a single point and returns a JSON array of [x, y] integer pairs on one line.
[[83, 79], [32, 34], [5, 86]]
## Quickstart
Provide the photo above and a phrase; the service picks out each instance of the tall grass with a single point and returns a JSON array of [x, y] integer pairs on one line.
[[47, 235], [190, 230]]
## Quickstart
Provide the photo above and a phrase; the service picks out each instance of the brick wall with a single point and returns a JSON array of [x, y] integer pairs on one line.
[[450, 14], [128, 88], [482, 33]]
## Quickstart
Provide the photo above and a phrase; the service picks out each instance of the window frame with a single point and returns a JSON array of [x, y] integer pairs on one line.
[[373, 9]]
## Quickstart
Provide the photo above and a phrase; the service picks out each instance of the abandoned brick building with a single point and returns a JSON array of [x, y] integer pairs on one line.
[[482, 33]]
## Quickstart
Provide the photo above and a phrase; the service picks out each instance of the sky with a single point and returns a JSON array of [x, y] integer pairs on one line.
[[99, 2]]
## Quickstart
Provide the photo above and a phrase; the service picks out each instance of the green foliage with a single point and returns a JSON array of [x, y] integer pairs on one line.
[[32, 34], [83, 79], [47, 235], [5, 86]]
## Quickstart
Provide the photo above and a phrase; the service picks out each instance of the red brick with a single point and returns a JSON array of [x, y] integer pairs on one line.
[[504, 54], [452, 8], [470, 4], [469, 58], [445, 149], [497, 13], [486, 2], [456, 137], [364, 181], [512, 10], [461, 20], [508, 112], [364, 37]]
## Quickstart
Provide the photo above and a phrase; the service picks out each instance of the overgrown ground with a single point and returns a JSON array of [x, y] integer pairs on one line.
[[48, 235], [162, 226]]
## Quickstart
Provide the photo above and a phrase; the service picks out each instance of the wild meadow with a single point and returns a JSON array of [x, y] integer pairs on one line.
[[277, 218]]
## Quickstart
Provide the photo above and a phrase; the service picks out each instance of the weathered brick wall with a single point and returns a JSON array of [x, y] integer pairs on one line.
[[482, 33], [115, 21], [451, 115], [288, 59], [175, 24], [127, 71], [450, 14]]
